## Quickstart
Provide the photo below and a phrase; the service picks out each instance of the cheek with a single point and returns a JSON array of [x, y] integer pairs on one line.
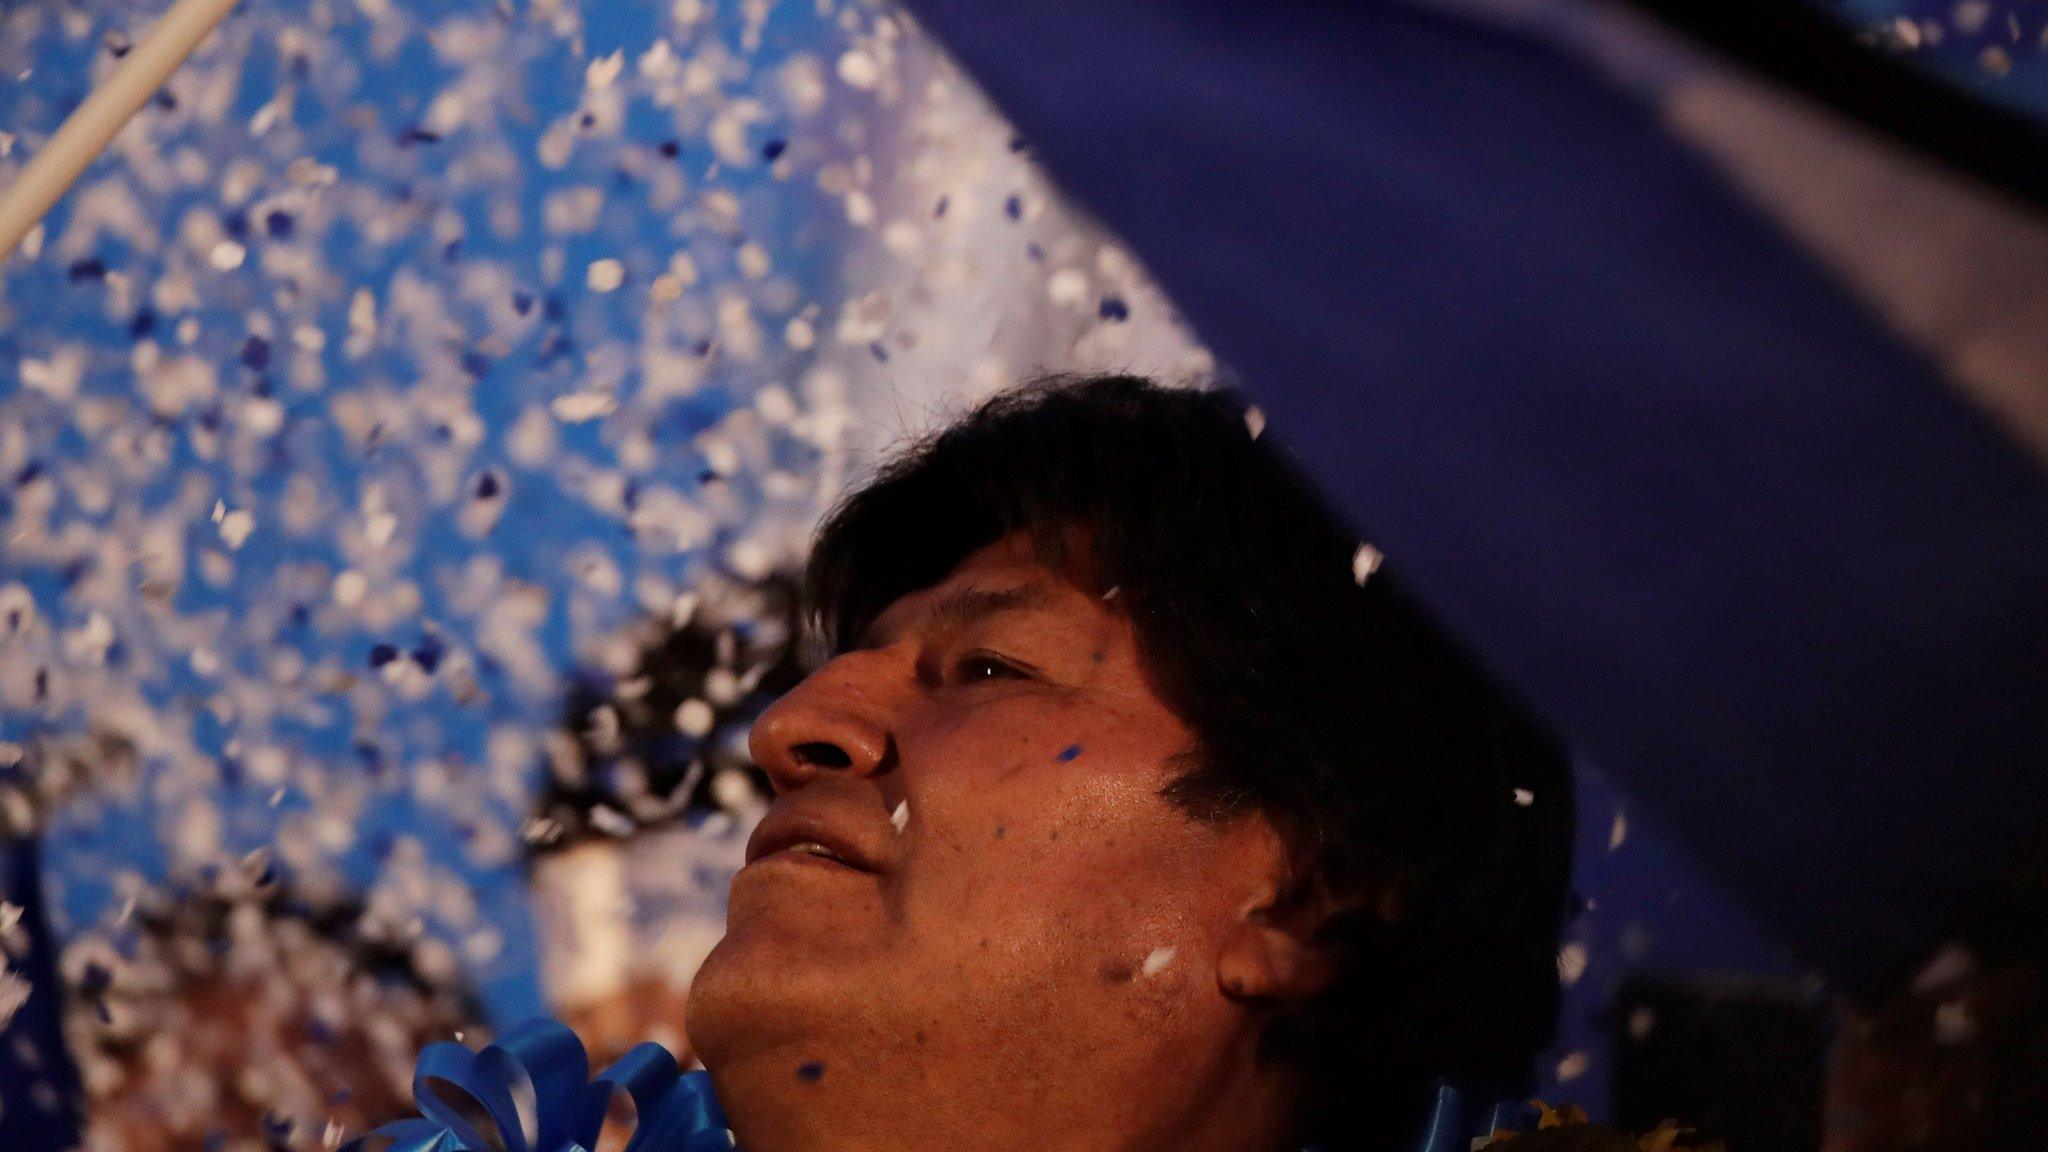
[[1073, 867]]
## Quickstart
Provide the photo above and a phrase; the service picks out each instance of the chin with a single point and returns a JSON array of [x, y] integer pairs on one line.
[[707, 1013], [760, 990]]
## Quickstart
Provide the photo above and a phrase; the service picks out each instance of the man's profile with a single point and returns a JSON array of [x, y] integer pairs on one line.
[[1127, 814]]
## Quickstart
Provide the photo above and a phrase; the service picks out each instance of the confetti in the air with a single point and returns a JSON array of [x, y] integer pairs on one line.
[[14, 992], [1364, 563], [400, 373], [1571, 963], [1573, 1065]]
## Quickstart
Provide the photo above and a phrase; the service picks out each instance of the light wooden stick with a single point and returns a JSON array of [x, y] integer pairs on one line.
[[88, 130]]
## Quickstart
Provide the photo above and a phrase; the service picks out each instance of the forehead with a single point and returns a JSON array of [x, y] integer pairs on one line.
[[1004, 577]]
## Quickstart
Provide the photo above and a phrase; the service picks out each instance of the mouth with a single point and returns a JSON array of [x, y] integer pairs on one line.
[[815, 850], [808, 856], [807, 839]]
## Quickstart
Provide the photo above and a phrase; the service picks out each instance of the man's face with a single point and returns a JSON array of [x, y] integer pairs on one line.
[[970, 882]]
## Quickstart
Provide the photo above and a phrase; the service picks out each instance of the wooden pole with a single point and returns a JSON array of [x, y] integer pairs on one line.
[[89, 129]]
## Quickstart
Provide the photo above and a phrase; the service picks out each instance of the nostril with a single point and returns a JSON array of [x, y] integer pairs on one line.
[[822, 754]]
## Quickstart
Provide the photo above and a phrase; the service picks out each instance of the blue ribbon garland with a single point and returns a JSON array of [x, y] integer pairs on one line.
[[533, 1092]]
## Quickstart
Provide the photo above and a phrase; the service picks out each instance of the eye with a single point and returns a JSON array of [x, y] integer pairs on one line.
[[976, 667]]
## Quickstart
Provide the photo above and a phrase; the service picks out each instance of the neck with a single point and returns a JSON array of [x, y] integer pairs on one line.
[[787, 1099]]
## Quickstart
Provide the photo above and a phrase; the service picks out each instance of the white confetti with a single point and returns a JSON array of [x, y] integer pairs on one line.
[[753, 261], [57, 377], [1949, 965], [859, 69], [350, 587], [604, 70], [694, 717], [1571, 963], [228, 255], [1067, 288], [860, 209], [1364, 563], [605, 275], [236, 526], [379, 528], [901, 816], [14, 992], [733, 791], [1158, 960], [578, 407]]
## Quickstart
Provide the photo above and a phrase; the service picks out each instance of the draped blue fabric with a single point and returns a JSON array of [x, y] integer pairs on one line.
[[1749, 551]]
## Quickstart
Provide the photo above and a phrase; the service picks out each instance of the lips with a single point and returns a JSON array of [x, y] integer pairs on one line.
[[814, 834]]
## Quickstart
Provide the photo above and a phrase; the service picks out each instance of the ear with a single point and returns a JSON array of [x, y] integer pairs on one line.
[[1271, 953], [1273, 949]]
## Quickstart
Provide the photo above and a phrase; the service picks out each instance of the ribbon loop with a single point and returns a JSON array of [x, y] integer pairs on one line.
[[676, 1113], [532, 1091]]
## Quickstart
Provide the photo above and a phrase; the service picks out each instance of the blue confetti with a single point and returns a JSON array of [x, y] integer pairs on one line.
[[428, 654]]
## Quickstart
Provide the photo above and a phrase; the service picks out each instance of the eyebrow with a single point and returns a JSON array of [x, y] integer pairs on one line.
[[967, 606]]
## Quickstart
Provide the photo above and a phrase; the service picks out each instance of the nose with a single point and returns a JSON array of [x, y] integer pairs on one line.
[[832, 722]]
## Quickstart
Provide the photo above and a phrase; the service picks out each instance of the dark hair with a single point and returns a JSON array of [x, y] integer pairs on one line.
[[1407, 782]]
